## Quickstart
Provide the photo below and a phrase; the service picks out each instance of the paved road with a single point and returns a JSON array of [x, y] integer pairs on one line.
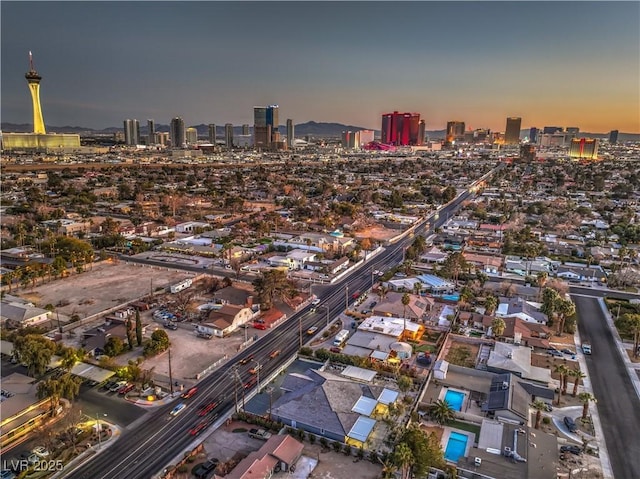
[[618, 403]]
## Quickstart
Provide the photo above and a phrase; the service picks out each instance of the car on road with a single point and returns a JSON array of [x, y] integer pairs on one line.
[[255, 369], [250, 383], [207, 408], [40, 451], [274, 354], [311, 331], [178, 409], [315, 302], [586, 348], [246, 360], [259, 434], [190, 393], [201, 471], [570, 423], [201, 426], [572, 449]]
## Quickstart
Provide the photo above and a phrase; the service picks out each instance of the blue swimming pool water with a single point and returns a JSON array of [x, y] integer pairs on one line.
[[456, 446], [455, 399], [451, 297]]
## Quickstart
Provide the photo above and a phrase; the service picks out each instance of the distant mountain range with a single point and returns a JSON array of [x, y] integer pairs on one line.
[[312, 128]]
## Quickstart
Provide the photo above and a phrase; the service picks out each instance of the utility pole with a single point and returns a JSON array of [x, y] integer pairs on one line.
[[257, 374], [270, 391], [346, 298], [234, 372], [300, 330], [170, 373]]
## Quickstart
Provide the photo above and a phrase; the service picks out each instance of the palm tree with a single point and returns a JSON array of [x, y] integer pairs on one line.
[[406, 299], [565, 308], [417, 288], [585, 398], [577, 376], [490, 305], [442, 412], [497, 326], [539, 406], [542, 280], [560, 369]]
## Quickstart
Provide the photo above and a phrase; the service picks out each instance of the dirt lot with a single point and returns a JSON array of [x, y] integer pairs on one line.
[[105, 286], [378, 233]]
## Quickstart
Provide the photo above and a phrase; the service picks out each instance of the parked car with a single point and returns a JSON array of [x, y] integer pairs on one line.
[[548, 407], [125, 389], [201, 471], [261, 326], [259, 434], [171, 325], [40, 451], [117, 386], [556, 353], [572, 449], [570, 423], [335, 349]]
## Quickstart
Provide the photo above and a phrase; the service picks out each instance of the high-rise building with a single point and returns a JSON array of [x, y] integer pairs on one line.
[[533, 134], [550, 130], [574, 130], [455, 132], [212, 133], [366, 137], [191, 136], [131, 132], [177, 132], [512, 131], [613, 137], [245, 129], [586, 148], [228, 135], [266, 126], [151, 132], [422, 131], [348, 139], [33, 79], [162, 138], [290, 134], [401, 129]]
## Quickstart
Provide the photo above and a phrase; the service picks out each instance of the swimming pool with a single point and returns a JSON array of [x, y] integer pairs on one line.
[[455, 399], [456, 446], [451, 297]]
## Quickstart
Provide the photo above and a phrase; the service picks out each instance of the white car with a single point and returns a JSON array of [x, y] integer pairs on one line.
[[178, 409], [315, 302], [40, 451]]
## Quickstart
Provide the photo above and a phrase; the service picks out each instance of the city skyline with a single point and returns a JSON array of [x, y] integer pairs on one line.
[[209, 62]]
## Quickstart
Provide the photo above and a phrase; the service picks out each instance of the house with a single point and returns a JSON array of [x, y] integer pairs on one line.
[[510, 358], [518, 307], [279, 454], [17, 315], [94, 339], [226, 320], [392, 306], [338, 265], [519, 331], [507, 399], [331, 405]]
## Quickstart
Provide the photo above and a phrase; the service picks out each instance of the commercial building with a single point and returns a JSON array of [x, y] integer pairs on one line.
[[550, 130], [212, 133], [245, 129], [613, 137], [177, 132], [131, 132], [228, 135], [39, 140], [555, 139], [455, 132], [265, 126], [533, 134], [401, 129], [512, 131], [191, 136], [586, 148], [151, 132], [290, 133]]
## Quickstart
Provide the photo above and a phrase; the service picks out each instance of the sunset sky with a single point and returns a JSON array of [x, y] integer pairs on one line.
[[563, 64]]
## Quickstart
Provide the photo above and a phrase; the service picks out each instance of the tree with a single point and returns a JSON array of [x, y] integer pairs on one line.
[[404, 383], [66, 386], [159, 343], [585, 399], [114, 346], [542, 277], [564, 308], [35, 351], [138, 329], [406, 299], [577, 375], [442, 412], [454, 265], [629, 324], [490, 304], [550, 299], [539, 406], [497, 326], [68, 358], [403, 459], [562, 371], [130, 334], [271, 284], [425, 448]]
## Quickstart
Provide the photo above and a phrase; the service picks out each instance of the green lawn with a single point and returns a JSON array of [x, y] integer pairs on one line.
[[466, 427], [424, 348]]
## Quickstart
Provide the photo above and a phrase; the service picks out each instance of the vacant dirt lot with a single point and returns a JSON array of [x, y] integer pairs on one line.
[[105, 286]]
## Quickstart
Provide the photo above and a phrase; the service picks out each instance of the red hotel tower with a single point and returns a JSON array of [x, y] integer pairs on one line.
[[401, 129]]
